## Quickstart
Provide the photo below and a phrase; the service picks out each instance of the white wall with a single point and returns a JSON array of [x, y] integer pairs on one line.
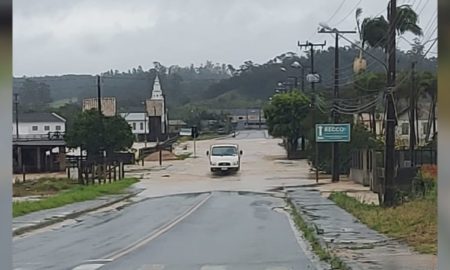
[[26, 129], [138, 130]]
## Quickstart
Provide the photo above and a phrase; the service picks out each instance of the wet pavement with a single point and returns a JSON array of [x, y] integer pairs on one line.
[[357, 245], [50, 216], [224, 230]]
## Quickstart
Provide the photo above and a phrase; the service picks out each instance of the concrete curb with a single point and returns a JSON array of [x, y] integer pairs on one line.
[[317, 235], [48, 222]]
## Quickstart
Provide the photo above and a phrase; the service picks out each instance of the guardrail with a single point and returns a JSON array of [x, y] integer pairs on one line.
[[166, 145], [57, 136]]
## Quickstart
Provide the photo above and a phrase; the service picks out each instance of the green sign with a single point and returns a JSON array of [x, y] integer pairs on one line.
[[333, 132]]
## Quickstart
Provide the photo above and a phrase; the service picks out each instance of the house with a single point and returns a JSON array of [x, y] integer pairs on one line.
[[424, 131], [176, 125], [38, 125], [38, 142], [250, 117], [138, 122]]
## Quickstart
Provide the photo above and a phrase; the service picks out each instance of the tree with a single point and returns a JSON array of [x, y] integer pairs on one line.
[[34, 96], [374, 31], [285, 115], [94, 133]]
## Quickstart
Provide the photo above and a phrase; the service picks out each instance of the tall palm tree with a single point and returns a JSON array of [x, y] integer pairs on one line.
[[374, 31]]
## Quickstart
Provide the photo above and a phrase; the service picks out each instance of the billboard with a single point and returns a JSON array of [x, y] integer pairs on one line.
[[154, 107], [108, 105]]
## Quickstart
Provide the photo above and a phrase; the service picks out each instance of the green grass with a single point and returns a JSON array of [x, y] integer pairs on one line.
[[413, 222], [209, 136], [41, 186], [76, 193], [310, 236], [184, 156]]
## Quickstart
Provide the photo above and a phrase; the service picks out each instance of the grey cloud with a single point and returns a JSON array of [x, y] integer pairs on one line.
[[170, 31]]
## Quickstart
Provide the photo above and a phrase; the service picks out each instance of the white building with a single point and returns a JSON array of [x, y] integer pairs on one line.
[[424, 132], [157, 110], [38, 125], [138, 123]]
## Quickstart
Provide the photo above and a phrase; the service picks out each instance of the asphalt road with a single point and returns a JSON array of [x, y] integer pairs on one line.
[[221, 230], [208, 229]]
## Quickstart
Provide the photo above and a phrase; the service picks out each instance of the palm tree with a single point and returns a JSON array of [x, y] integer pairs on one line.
[[374, 31]]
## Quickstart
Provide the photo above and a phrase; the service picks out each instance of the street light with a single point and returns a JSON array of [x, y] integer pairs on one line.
[[293, 77], [297, 64]]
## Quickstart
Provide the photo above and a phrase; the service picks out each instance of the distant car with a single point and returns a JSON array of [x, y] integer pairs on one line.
[[224, 157]]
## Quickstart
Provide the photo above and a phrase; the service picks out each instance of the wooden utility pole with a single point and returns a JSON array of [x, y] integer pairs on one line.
[[335, 167], [99, 95], [389, 152], [313, 101], [412, 114]]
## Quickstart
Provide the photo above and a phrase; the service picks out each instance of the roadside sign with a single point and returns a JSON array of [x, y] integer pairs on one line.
[[333, 132], [186, 132]]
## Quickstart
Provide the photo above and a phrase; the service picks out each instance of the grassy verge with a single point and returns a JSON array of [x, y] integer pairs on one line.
[[184, 156], [76, 193], [209, 136], [310, 236], [42, 186], [413, 222]]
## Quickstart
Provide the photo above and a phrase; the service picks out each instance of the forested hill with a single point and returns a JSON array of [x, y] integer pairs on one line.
[[217, 85]]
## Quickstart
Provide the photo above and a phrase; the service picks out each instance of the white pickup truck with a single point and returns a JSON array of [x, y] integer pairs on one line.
[[224, 157]]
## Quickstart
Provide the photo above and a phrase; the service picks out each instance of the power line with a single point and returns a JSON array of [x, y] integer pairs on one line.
[[336, 11], [351, 11]]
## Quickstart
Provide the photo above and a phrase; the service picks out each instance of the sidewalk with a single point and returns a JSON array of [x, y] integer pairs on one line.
[[44, 218], [343, 235]]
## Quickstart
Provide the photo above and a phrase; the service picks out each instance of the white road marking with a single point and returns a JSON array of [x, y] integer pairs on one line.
[[158, 231], [278, 268], [152, 267], [89, 266], [213, 267]]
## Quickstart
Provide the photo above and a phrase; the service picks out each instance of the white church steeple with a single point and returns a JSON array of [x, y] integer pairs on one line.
[[157, 93]]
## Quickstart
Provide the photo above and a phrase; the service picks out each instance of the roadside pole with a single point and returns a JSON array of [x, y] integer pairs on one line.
[[195, 148], [194, 134], [313, 83], [334, 114]]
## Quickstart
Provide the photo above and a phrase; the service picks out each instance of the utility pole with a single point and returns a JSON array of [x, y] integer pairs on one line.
[[313, 88], [334, 114], [99, 95], [389, 151], [145, 124], [16, 108], [412, 115]]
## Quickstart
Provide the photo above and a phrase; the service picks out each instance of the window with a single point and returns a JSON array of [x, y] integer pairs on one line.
[[141, 126], [58, 128], [34, 128], [424, 128], [224, 151], [241, 118], [46, 128], [134, 126], [405, 128]]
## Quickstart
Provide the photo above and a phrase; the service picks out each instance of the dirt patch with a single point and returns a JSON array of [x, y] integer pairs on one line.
[[166, 155]]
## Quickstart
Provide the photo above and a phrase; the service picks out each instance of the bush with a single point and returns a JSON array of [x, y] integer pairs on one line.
[[425, 183]]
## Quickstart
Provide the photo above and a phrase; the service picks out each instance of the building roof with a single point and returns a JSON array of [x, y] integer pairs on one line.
[[134, 116], [240, 112], [39, 117], [177, 123]]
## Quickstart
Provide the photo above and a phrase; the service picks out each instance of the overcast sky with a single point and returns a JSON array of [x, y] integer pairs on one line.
[[53, 37]]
